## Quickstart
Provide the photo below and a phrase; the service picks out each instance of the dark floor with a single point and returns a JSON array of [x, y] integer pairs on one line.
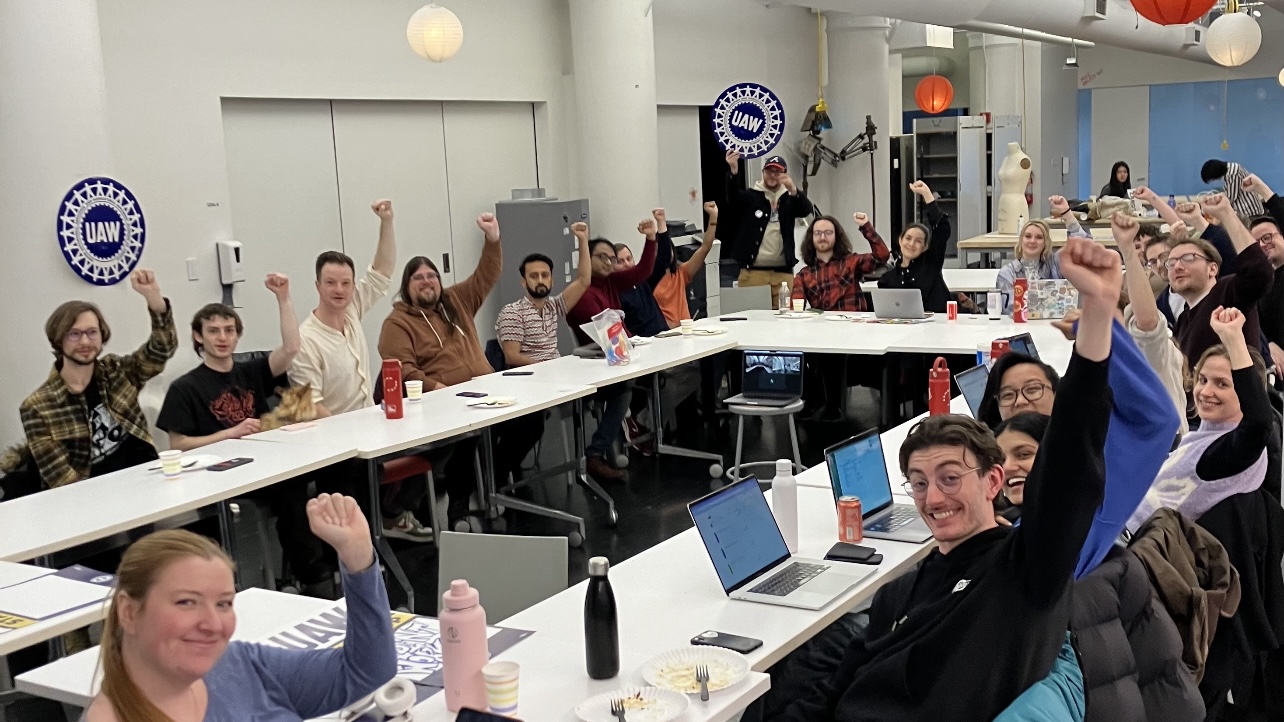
[[651, 506]]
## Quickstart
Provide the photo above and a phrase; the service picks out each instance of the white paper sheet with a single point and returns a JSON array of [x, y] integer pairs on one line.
[[48, 596]]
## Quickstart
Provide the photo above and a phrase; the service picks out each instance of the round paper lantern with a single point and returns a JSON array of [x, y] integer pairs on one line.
[[934, 94], [1282, 77], [1233, 39], [1173, 12], [434, 33]]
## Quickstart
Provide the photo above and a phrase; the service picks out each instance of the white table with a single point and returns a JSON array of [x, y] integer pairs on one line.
[[553, 678], [87, 510], [45, 629], [959, 280]]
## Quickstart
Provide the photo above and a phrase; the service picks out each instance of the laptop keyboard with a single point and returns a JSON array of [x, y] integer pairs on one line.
[[788, 579], [899, 517]]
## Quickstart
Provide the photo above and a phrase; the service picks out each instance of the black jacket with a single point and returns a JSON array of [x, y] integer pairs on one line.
[[642, 313], [924, 272], [1251, 528], [753, 211], [969, 631], [1129, 649]]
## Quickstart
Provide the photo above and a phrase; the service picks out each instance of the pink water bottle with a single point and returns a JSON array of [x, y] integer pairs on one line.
[[463, 647]]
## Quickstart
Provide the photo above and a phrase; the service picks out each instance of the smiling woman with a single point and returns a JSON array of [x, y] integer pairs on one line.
[[166, 654]]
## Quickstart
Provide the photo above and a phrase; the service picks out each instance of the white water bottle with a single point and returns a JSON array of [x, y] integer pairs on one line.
[[784, 297], [784, 503]]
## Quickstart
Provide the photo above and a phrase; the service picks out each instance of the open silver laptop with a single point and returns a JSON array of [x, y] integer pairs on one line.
[[858, 468], [898, 303], [751, 559]]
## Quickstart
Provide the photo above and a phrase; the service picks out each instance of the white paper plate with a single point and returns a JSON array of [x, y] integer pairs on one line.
[[642, 704], [492, 402], [675, 670], [639, 340], [797, 314], [841, 317], [191, 462]]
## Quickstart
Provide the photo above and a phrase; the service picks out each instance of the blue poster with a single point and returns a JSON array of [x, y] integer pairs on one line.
[[748, 118], [101, 230]]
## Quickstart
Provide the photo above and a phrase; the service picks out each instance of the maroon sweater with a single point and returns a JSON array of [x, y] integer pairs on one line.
[[1242, 289], [604, 293]]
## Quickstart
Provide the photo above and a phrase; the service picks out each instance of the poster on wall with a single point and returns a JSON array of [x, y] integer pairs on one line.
[[101, 230], [748, 118]]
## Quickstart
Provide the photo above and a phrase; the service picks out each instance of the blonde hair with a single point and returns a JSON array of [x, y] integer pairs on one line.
[[139, 569], [1047, 240]]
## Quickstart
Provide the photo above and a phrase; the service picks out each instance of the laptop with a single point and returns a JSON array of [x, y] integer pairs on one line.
[[1023, 343], [972, 384], [751, 559], [857, 468], [771, 378], [898, 303]]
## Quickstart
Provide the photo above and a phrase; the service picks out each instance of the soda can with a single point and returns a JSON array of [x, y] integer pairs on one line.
[[998, 348], [850, 529], [952, 310]]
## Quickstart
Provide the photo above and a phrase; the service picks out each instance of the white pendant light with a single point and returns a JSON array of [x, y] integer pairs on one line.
[[1233, 39], [1282, 77], [434, 33]]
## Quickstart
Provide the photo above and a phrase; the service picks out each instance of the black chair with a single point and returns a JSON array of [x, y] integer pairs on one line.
[[495, 355], [19, 475]]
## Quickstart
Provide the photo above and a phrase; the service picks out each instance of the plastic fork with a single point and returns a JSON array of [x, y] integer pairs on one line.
[[702, 676], [617, 709]]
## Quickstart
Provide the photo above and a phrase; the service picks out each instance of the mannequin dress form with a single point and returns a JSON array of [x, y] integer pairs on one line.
[[1014, 176]]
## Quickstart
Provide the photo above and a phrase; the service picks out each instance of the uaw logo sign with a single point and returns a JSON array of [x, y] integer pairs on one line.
[[748, 118], [101, 230]]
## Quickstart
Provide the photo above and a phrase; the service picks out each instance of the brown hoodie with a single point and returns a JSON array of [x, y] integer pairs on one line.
[[434, 349]]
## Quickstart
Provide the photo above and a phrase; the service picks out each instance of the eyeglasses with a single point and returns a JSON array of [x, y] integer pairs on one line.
[[74, 335], [606, 258], [1031, 392], [1268, 237], [425, 277], [1184, 259], [1156, 263], [823, 234], [948, 483]]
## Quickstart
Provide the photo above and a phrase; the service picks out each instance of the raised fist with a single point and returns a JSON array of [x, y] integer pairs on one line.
[[647, 228], [733, 161], [489, 225], [860, 218], [1059, 205], [711, 208], [921, 189], [278, 284], [382, 208], [1094, 270], [580, 230], [1218, 207]]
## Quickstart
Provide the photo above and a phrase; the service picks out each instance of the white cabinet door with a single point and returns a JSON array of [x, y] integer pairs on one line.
[[285, 204], [490, 150], [394, 150]]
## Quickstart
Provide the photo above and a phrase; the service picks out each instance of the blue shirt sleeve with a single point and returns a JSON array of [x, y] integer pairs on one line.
[[319, 682], [1143, 424]]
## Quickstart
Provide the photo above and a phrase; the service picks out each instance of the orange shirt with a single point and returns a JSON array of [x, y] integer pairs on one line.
[[671, 296]]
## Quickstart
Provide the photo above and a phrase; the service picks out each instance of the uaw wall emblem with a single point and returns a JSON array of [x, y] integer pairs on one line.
[[748, 118], [101, 230]]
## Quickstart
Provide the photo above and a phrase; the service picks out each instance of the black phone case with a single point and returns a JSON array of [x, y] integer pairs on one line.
[[734, 642], [471, 394], [854, 553], [229, 464]]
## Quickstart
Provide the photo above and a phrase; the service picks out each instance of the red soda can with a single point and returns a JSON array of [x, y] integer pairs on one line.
[[850, 529], [998, 348], [391, 378], [952, 310], [1020, 289]]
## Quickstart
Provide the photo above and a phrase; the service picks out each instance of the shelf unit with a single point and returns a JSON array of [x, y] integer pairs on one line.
[[949, 156]]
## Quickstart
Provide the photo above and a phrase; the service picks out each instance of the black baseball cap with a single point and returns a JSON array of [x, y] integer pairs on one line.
[[776, 161]]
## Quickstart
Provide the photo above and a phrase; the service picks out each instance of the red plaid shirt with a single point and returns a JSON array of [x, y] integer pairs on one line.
[[835, 285]]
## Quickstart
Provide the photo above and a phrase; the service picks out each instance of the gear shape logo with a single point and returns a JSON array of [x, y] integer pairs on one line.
[[101, 231], [748, 118]]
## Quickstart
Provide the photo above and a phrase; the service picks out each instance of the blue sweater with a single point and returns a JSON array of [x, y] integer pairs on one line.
[[1143, 424], [269, 684]]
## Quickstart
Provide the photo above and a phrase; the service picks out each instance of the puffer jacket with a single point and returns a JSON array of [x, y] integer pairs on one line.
[[1059, 697], [1129, 648]]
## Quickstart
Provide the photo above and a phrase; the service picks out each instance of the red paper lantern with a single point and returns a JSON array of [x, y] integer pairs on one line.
[[934, 94], [1172, 12]]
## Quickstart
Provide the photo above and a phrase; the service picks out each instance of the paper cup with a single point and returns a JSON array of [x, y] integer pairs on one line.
[[171, 463], [994, 304], [501, 686], [414, 390], [687, 326], [799, 304]]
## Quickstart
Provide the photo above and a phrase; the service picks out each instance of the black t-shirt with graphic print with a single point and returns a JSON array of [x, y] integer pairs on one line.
[[204, 401], [112, 447]]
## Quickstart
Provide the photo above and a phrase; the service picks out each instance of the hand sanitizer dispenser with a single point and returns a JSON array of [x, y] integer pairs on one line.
[[230, 270]]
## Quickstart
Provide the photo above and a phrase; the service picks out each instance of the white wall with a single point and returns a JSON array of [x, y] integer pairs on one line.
[[1121, 131], [1059, 117], [680, 179], [1105, 66]]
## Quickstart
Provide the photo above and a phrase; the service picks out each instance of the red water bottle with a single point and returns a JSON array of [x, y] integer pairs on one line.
[[393, 404], [938, 388], [1020, 289]]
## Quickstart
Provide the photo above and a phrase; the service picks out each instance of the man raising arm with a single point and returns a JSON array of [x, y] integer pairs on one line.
[[527, 327]]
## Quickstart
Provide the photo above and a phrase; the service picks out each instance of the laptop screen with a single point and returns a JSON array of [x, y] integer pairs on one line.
[[1023, 344], [857, 468], [972, 384], [739, 532], [773, 373]]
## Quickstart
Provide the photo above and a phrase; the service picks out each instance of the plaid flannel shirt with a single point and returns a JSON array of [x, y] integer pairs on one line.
[[835, 285], [57, 422]]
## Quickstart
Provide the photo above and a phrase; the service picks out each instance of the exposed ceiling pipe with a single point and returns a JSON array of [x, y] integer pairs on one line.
[[1013, 32], [1121, 27]]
